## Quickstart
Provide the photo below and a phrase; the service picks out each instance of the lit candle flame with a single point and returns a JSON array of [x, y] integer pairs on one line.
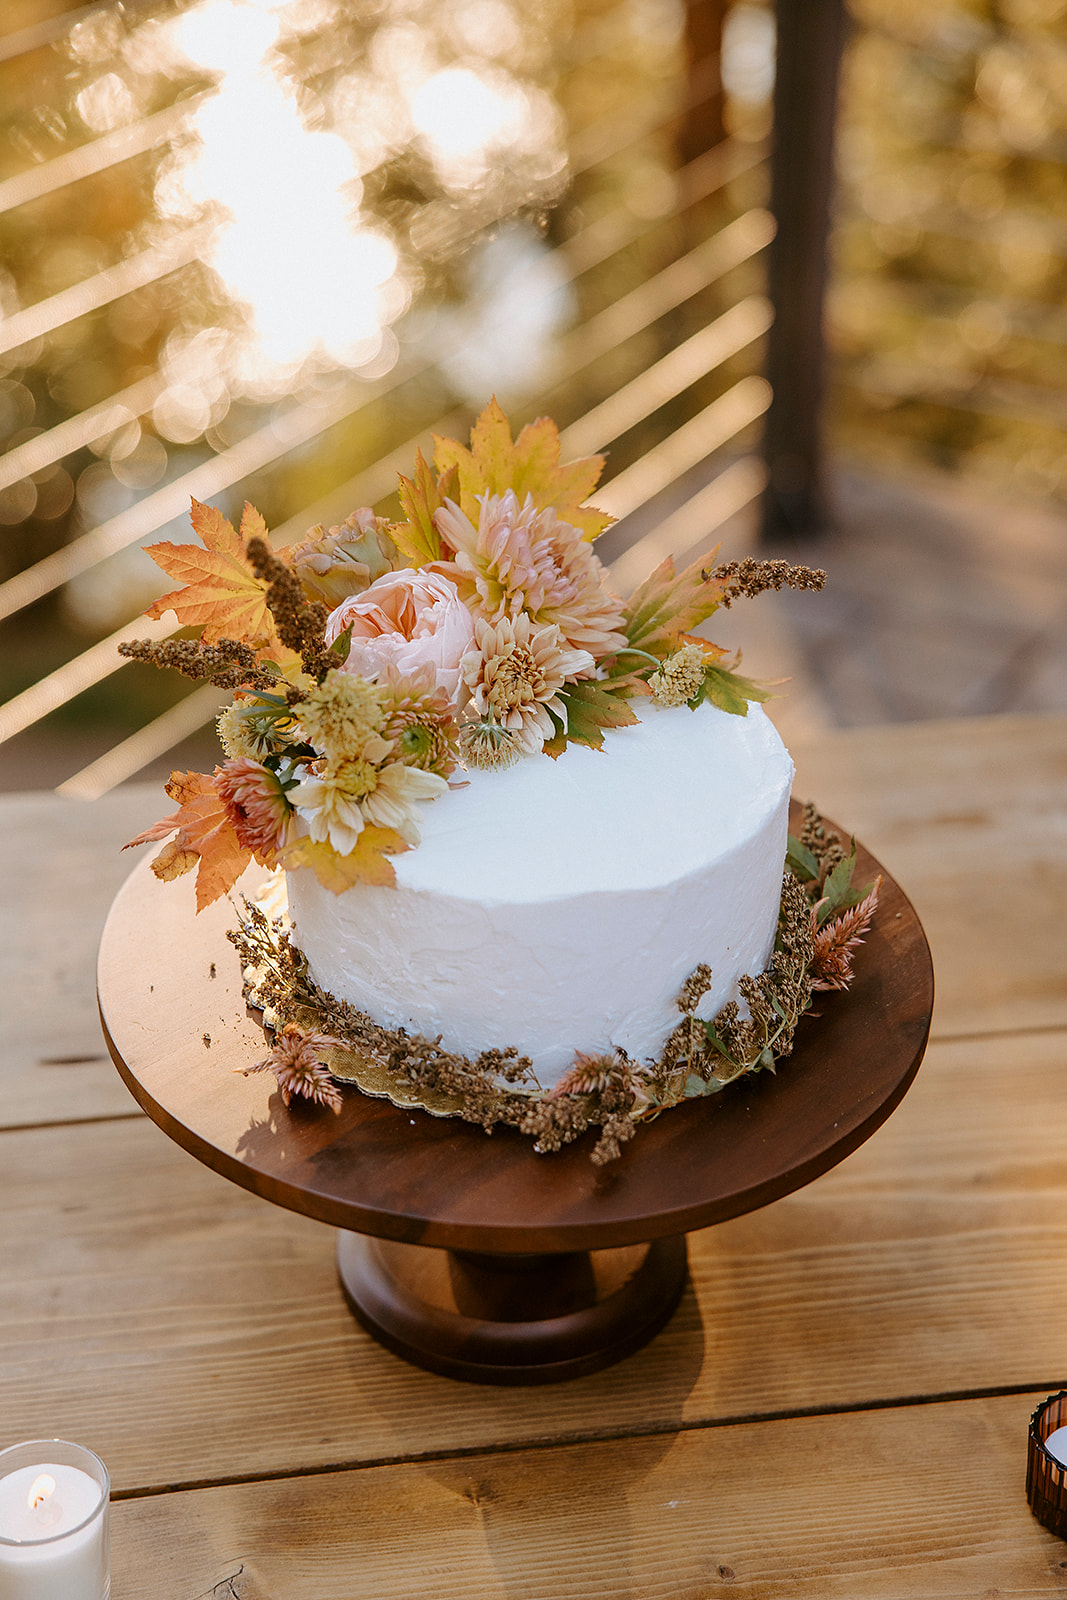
[[40, 1490]]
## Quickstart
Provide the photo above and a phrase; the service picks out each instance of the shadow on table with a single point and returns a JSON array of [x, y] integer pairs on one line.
[[557, 1500]]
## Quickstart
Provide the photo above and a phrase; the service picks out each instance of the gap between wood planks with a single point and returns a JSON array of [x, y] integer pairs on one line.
[[586, 1436]]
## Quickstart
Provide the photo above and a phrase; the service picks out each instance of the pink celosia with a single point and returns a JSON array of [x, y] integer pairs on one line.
[[255, 803], [521, 559], [407, 620], [296, 1062], [833, 944]]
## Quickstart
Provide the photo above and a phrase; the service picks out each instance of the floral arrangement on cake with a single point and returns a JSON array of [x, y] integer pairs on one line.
[[373, 662]]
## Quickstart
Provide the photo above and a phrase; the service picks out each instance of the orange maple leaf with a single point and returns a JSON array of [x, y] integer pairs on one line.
[[204, 838], [222, 595], [529, 465]]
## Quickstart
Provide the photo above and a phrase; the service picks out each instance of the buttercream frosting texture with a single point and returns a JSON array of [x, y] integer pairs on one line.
[[561, 905]]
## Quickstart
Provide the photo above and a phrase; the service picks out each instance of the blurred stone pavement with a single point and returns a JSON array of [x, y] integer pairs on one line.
[[939, 602]]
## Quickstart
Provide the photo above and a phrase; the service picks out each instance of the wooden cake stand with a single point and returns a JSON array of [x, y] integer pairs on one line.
[[474, 1256]]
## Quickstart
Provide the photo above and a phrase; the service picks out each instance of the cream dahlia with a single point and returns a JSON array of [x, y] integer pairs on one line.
[[419, 723], [521, 559], [515, 675], [329, 803]]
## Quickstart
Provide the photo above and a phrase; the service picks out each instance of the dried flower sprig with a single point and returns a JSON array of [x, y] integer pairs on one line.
[[231, 664], [296, 1061], [833, 944], [751, 577], [301, 623]]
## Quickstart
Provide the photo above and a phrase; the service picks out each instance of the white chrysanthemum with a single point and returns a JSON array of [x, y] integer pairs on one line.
[[342, 717], [391, 804], [330, 805]]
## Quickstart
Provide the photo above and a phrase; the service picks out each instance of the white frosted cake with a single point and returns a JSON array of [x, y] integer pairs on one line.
[[561, 905]]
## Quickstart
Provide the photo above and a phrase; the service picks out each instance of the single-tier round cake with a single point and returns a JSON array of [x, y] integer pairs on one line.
[[561, 905]]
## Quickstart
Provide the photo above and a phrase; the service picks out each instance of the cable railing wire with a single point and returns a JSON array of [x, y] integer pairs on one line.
[[695, 440], [591, 246], [275, 439]]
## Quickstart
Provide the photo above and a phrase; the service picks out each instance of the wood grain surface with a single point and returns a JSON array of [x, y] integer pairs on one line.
[[878, 1505], [142, 1296], [837, 1411], [970, 818], [62, 868]]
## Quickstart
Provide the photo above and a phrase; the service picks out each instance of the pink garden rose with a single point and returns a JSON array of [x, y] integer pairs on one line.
[[408, 620]]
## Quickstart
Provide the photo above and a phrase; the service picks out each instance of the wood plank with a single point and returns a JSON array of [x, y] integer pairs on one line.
[[62, 866], [879, 1505], [969, 817], [191, 1332]]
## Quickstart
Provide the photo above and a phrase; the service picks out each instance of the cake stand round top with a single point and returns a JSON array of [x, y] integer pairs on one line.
[[177, 1026]]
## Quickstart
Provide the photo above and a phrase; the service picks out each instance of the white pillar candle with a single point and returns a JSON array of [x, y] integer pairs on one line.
[[53, 1523]]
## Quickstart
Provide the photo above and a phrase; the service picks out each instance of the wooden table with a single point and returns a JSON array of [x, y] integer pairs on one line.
[[837, 1410]]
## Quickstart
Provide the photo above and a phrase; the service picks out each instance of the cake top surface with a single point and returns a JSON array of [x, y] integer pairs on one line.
[[666, 796]]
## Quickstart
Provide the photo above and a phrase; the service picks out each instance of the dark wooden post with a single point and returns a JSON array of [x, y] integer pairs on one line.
[[701, 123], [810, 38]]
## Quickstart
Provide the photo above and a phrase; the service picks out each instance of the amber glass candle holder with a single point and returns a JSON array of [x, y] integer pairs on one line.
[[1046, 1476]]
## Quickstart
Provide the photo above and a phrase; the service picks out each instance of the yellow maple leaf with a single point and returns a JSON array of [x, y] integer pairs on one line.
[[222, 595], [367, 863], [530, 465], [668, 604]]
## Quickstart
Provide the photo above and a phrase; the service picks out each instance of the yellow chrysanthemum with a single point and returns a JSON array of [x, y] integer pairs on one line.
[[340, 716]]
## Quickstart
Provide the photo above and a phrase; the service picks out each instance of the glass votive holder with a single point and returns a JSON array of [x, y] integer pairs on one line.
[[1046, 1473], [53, 1522]]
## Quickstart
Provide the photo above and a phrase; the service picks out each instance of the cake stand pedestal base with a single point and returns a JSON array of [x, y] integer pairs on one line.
[[511, 1319]]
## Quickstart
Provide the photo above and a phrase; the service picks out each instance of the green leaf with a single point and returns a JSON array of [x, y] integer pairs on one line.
[[417, 539], [800, 860], [838, 885], [591, 707], [730, 691], [695, 1085], [716, 1041]]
